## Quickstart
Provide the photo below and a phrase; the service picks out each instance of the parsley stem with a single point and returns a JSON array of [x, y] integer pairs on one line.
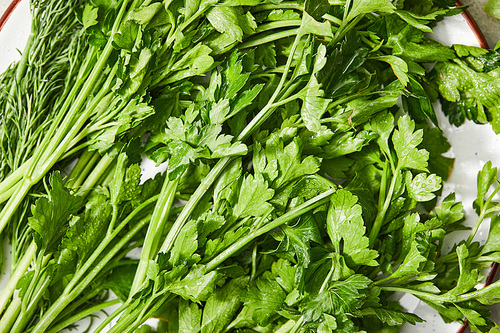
[[193, 201], [83, 314], [482, 215], [259, 40], [268, 109], [11, 314], [379, 219], [491, 290], [286, 327], [254, 263], [106, 241], [423, 294], [344, 28], [27, 313], [112, 316], [84, 278], [332, 19], [283, 5], [97, 173], [294, 213], [83, 166], [155, 231], [223, 162], [277, 24]]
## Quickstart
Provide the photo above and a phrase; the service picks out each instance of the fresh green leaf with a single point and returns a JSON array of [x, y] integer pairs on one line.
[[406, 140], [52, 214], [345, 224]]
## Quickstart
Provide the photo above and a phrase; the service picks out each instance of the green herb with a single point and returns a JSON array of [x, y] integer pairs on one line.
[[296, 196]]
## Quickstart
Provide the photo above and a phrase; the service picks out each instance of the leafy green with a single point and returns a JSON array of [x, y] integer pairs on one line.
[[52, 214], [303, 161]]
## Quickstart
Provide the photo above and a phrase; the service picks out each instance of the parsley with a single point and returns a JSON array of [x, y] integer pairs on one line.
[[296, 195]]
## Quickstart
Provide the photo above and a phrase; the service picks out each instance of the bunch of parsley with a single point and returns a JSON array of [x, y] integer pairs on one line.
[[297, 196]]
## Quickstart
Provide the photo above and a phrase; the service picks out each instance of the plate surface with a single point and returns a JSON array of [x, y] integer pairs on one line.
[[472, 145]]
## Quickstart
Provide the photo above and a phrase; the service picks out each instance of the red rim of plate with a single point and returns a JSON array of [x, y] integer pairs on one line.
[[8, 12], [468, 18]]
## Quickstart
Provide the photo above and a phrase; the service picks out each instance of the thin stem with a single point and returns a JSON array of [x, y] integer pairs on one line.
[[69, 295], [344, 28], [481, 217], [112, 316], [10, 315], [97, 173], [294, 213], [8, 185], [283, 5], [297, 325], [83, 314], [193, 201], [81, 165], [18, 273], [268, 110], [155, 231], [491, 289], [268, 38], [417, 293], [332, 19], [105, 242], [277, 24], [26, 315], [379, 219]]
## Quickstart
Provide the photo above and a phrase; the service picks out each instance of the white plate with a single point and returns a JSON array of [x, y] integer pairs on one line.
[[472, 145]]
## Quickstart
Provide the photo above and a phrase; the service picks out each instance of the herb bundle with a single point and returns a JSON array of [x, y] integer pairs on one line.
[[297, 196]]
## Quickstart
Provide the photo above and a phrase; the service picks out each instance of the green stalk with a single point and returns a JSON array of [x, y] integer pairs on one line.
[[82, 315], [8, 185], [69, 311], [49, 153], [69, 294], [492, 289], [98, 172], [297, 325], [268, 110], [28, 256], [193, 201], [82, 168], [379, 219], [482, 215], [11, 314], [80, 274], [132, 320], [277, 25], [111, 317], [344, 28], [285, 328], [17, 274], [293, 214], [26, 314], [264, 114], [268, 38], [155, 230], [284, 5]]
